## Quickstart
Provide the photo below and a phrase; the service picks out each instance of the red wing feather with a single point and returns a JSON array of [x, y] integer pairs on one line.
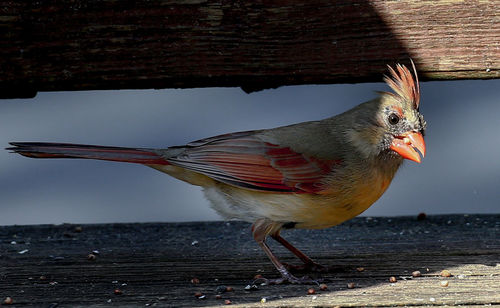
[[246, 161]]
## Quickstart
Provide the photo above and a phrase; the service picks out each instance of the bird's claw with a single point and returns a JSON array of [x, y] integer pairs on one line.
[[288, 278], [307, 267], [295, 280]]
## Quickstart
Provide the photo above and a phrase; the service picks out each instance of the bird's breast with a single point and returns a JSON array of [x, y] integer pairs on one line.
[[344, 199]]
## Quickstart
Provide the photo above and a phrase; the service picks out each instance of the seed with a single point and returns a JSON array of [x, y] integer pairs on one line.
[[416, 274], [218, 296], [251, 288], [445, 273], [351, 285], [195, 280], [43, 277], [229, 289], [91, 257], [263, 300], [258, 276], [360, 269], [8, 301], [227, 302], [311, 291], [323, 287], [198, 294], [444, 283], [118, 292], [78, 229], [392, 279]]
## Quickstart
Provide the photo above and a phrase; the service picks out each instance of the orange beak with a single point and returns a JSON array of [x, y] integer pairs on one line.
[[406, 144]]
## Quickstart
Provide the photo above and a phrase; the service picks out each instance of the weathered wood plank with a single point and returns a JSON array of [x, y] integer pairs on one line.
[[153, 264], [81, 45]]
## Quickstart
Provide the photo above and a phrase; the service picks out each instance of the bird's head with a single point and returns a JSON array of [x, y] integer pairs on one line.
[[392, 124]]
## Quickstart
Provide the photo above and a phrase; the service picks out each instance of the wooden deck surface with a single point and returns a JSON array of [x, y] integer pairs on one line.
[[153, 264]]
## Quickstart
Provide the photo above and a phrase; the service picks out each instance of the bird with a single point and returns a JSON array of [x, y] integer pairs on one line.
[[310, 175]]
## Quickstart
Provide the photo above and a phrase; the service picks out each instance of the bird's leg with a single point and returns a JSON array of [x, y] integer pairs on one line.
[[309, 264], [260, 230]]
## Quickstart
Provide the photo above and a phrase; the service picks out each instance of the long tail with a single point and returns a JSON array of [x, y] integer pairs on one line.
[[67, 150]]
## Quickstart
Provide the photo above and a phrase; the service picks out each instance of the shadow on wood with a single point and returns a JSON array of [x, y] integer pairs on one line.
[[153, 264]]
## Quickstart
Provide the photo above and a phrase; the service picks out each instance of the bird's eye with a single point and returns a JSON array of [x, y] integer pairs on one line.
[[393, 119]]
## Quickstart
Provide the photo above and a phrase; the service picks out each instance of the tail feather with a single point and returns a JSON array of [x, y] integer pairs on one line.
[[68, 150]]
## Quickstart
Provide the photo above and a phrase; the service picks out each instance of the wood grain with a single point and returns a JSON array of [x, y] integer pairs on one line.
[[81, 45], [153, 264]]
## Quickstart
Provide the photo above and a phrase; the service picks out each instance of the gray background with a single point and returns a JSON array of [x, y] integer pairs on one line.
[[460, 174]]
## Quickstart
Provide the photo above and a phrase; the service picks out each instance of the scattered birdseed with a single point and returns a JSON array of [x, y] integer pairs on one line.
[[323, 287], [195, 280], [91, 257], [13, 243], [392, 279], [416, 274], [198, 294], [263, 300], [22, 252], [311, 291], [445, 273], [227, 302], [258, 276], [8, 300], [251, 288], [118, 292], [351, 285], [461, 276], [43, 277], [195, 243], [360, 269], [444, 283]]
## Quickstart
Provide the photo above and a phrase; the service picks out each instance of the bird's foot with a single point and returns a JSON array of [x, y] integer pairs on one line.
[[293, 280], [307, 267], [286, 277]]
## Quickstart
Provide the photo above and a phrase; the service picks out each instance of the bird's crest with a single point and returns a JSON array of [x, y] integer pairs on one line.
[[403, 84]]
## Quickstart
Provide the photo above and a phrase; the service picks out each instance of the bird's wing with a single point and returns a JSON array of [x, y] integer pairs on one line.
[[244, 160]]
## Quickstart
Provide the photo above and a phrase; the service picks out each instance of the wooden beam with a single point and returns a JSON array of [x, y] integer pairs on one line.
[[82, 45]]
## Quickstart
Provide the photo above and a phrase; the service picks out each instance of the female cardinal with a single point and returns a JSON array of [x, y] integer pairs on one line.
[[308, 175]]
